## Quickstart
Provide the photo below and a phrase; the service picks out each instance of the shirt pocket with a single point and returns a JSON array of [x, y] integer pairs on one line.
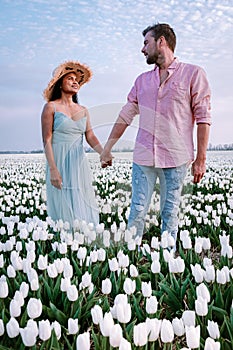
[[177, 91]]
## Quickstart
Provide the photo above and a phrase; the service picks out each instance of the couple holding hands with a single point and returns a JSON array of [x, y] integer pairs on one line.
[[169, 100]]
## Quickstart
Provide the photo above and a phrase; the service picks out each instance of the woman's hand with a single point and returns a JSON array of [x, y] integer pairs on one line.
[[55, 178]]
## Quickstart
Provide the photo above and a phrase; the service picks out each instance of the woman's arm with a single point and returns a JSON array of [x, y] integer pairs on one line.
[[47, 118], [92, 140]]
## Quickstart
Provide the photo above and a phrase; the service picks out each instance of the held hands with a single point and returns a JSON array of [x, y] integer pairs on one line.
[[55, 178], [106, 158], [198, 170]]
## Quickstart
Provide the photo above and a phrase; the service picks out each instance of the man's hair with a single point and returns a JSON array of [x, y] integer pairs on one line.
[[162, 29]]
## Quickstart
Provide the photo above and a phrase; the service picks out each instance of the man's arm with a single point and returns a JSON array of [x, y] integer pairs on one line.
[[117, 131], [199, 164]]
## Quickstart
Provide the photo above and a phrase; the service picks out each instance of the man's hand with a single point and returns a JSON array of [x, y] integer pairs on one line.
[[198, 170], [106, 158]]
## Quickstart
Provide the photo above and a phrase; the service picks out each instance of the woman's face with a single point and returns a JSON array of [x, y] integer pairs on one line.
[[70, 83]]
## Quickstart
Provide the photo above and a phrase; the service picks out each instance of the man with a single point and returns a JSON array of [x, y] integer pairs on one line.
[[169, 100]]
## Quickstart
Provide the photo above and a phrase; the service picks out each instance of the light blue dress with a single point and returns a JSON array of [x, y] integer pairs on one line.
[[76, 199]]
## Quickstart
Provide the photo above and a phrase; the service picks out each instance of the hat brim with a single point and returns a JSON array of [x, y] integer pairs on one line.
[[82, 72]]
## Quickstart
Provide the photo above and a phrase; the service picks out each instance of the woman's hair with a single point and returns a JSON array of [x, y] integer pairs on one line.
[[162, 29], [56, 94]]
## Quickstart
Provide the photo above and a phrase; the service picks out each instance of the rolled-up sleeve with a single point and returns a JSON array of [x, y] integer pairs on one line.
[[130, 109], [201, 94]]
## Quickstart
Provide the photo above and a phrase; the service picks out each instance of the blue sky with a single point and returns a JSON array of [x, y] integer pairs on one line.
[[37, 35]]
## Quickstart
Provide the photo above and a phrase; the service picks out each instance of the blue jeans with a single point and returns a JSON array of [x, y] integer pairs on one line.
[[143, 184]]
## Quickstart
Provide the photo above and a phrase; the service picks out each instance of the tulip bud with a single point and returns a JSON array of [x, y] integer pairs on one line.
[[97, 314], [115, 336], [155, 266], [44, 330], [15, 308], [151, 305], [34, 308], [153, 326], [202, 291], [167, 332], [124, 344], [106, 324], [73, 326], [133, 271], [83, 341], [210, 344], [12, 328], [193, 336], [188, 318], [72, 292], [129, 286], [140, 334], [213, 329], [178, 326], [3, 287], [57, 329], [1, 327], [146, 289], [106, 286]]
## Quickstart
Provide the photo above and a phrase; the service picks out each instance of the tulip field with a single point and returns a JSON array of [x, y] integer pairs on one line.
[[98, 288]]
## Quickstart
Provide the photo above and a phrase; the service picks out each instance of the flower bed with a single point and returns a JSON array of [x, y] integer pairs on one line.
[[96, 288]]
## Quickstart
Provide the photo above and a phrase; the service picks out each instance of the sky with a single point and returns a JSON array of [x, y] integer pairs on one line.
[[38, 35]]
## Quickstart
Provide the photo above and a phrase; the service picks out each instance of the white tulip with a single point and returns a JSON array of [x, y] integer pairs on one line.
[[193, 336], [42, 262], [86, 280], [153, 326], [113, 264], [44, 330], [57, 329], [166, 332], [151, 305], [125, 344], [106, 286], [106, 324], [83, 341], [210, 344], [73, 326], [2, 329], [115, 336], [24, 289], [178, 326], [52, 271], [188, 318], [202, 291], [65, 284], [146, 289], [15, 308], [72, 292], [133, 271], [213, 329], [201, 306], [97, 314], [4, 290], [11, 271], [101, 254], [129, 286], [140, 334], [34, 308], [155, 266], [123, 312], [12, 328], [28, 336]]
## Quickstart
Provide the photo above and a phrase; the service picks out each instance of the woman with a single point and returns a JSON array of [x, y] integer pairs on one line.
[[70, 195]]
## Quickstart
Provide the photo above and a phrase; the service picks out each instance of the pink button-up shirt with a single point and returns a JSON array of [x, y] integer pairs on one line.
[[167, 114]]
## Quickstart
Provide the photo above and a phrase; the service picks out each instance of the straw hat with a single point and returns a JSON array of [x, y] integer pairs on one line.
[[82, 72]]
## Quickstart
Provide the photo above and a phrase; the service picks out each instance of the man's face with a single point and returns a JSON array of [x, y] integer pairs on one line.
[[150, 49]]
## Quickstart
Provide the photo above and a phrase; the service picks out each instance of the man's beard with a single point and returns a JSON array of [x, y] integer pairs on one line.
[[151, 60]]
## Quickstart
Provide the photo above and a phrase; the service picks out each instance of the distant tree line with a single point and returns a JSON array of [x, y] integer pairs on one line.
[[220, 147]]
